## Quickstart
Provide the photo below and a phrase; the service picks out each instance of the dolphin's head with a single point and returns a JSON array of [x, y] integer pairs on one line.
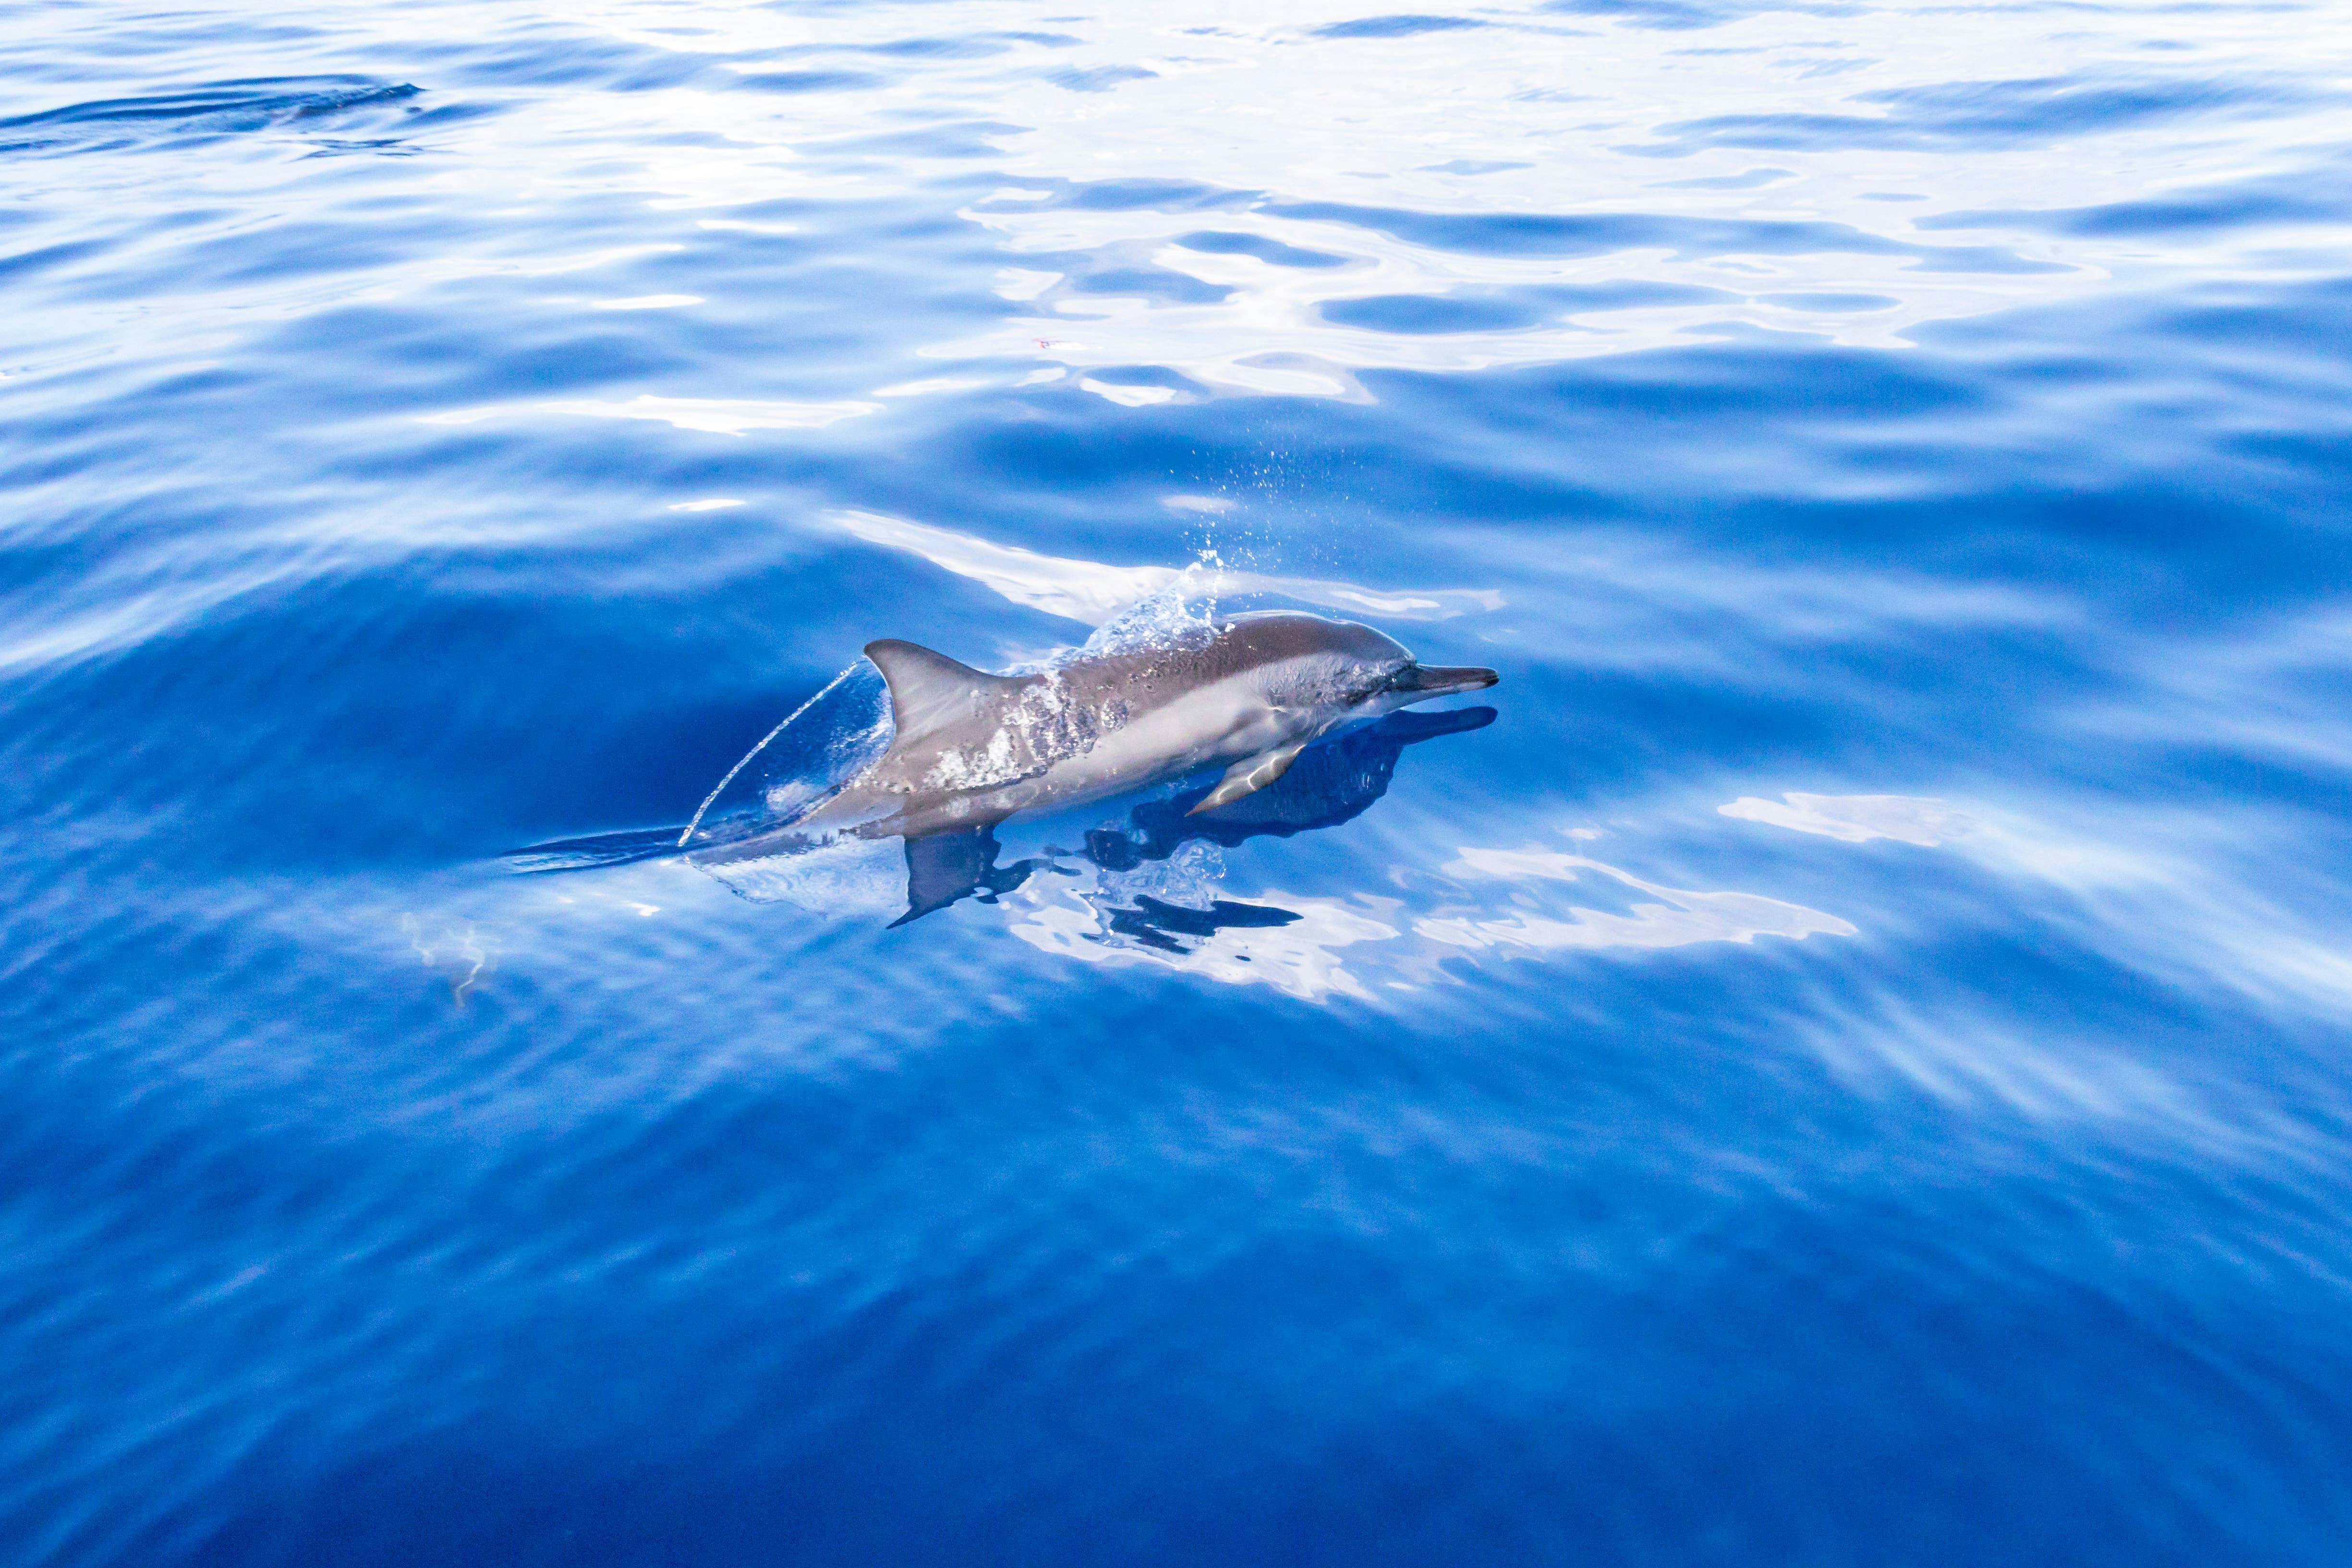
[[1343, 665]]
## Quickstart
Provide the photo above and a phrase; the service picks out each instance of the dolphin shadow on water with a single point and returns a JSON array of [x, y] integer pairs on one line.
[[1304, 714], [1330, 784]]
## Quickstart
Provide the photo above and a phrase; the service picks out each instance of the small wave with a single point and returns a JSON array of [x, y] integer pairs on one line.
[[1971, 116], [589, 853], [1273, 252], [1404, 26], [1676, 16], [214, 109], [2302, 195]]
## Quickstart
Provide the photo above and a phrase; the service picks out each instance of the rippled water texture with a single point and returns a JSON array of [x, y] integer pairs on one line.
[[1839, 1059]]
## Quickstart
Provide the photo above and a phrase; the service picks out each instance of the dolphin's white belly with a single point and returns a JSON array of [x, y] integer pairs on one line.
[[1221, 723]]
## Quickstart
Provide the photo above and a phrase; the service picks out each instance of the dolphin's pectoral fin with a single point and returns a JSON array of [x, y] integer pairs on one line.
[[1248, 776]]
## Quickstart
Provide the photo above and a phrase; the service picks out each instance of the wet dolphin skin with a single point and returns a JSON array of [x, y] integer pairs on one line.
[[1249, 693]]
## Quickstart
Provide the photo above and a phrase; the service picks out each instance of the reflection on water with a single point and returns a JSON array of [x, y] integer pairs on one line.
[[1873, 1006], [1855, 818], [1666, 917], [1294, 944], [1331, 783], [945, 867], [2158, 883]]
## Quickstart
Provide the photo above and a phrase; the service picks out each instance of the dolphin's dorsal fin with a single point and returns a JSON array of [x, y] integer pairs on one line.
[[929, 691]]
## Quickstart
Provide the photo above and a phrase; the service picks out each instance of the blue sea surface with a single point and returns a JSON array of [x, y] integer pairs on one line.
[[1842, 1058]]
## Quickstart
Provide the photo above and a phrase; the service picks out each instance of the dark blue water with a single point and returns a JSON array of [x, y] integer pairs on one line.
[[1841, 1058]]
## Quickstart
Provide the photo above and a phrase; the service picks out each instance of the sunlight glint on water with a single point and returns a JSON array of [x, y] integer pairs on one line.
[[1838, 1059]]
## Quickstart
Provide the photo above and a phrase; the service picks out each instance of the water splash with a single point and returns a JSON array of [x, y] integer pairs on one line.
[[829, 741], [818, 749]]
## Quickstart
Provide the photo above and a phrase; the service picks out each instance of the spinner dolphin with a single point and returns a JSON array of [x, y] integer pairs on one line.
[[1249, 693]]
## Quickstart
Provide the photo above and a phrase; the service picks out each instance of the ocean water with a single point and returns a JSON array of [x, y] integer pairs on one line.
[[1841, 1058]]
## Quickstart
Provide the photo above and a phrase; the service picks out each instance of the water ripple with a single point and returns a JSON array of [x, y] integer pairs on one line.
[[1842, 1061]]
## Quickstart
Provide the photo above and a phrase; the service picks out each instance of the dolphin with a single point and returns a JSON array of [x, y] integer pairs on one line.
[[1247, 693]]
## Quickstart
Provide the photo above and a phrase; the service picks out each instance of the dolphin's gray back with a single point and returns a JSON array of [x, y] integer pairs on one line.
[[962, 732], [1154, 676]]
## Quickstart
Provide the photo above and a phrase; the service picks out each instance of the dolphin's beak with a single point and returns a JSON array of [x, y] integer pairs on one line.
[[1443, 680]]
